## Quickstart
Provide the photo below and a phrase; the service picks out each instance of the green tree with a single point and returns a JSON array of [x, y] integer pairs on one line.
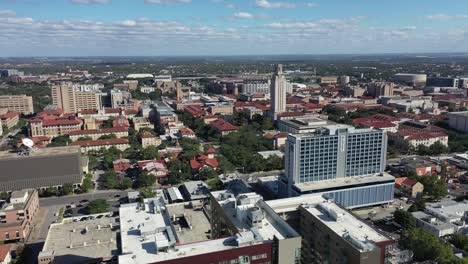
[[225, 166], [87, 183], [110, 180], [108, 136], [146, 180], [460, 241], [147, 193], [207, 173], [127, 183], [405, 219], [150, 153], [423, 150], [108, 123], [67, 188], [215, 184], [84, 138], [4, 196], [434, 187], [108, 157], [98, 206], [60, 141], [179, 172], [438, 148]]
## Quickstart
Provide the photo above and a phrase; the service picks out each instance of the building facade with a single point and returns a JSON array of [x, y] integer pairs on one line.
[[17, 103], [342, 162], [278, 92], [17, 215], [71, 100]]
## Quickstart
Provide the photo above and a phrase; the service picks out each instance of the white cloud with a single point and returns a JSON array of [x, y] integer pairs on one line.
[[7, 12], [86, 2], [444, 17], [270, 4], [243, 15], [312, 5], [168, 1]]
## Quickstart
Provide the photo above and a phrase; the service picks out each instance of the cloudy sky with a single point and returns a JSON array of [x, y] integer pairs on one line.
[[230, 27]]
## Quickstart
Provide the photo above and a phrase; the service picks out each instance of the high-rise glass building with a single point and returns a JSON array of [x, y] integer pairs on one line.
[[336, 159]]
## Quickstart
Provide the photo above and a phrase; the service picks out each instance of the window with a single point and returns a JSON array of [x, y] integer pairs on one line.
[[7, 236], [244, 260], [261, 256], [17, 234]]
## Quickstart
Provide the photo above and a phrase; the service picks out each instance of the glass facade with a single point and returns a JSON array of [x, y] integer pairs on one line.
[[364, 154], [318, 159]]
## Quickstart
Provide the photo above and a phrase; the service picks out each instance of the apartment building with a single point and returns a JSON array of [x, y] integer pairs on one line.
[[17, 215], [17, 103], [72, 100]]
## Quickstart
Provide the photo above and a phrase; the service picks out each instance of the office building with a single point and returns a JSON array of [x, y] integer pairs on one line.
[[118, 98], [443, 82], [459, 121], [328, 80], [17, 103], [342, 162], [42, 168], [377, 89], [17, 215], [302, 125], [411, 79], [278, 92], [10, 72], [71, 100], [259, 85]]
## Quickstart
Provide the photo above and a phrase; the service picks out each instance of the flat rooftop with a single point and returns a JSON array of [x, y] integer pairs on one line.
[[151, 234], [448, 210], [433, 221], [343, 182], [76, 242], [44, 167], [345, 225], [463, 113], [269, 225]]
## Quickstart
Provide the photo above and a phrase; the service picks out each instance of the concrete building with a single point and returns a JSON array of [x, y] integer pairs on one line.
[[118, 98], [177, 234], [141, 122], [459, 121], [259, 85], [443, 218], [278, 92], [147, 89], [232, 214], [42, 168], [332, 235], [90, 239], [95, 134], [17, 103], [17, 215], [377, 89], [411, 79], [164, 114], [328, 79], [302, 125], [10, 119], [71, 100], [345, 163]]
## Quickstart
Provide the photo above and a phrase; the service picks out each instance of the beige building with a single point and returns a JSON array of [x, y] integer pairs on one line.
[[66, 97], [119, 143], [378, 89], [221, 109], [17, 103], [10, 119], [94, 134], [409, 187], [149, 139], [141, 122], [328, 79], [53, 127]]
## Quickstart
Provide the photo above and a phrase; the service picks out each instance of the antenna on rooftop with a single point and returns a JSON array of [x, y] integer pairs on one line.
[[28, 147]]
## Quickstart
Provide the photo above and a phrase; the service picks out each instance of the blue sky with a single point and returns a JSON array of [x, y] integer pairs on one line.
[[230, 27]]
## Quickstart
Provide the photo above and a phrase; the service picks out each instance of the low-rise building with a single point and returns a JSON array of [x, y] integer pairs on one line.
[[87, 145], [95, 134], [17, 215], [409, 187], [459, 121], [195, 190], [157, 168], [223, 127], [141, 122], [149, 139], [417, 138], [53, 125], [90, 239], [10, 119], [186, 132], [301, 125]]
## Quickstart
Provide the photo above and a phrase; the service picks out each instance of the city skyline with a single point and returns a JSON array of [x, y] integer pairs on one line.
[[226, 27]]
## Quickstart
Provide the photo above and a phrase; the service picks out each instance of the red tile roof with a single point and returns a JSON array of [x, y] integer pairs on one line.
[[100, 142], [99, 131], [210, 151], [9, 115], [89, 112], [291, 114], [186, 131], [194, 110], [222, 125], [61, 122], [372, 122], [405, 181], [4, 251]]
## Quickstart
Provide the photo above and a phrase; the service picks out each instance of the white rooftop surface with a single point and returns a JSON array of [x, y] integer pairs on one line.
[[345, 181], [343, 223], [142, 249], [292, 204], [271, 225], [433, 221], [449, 210]]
